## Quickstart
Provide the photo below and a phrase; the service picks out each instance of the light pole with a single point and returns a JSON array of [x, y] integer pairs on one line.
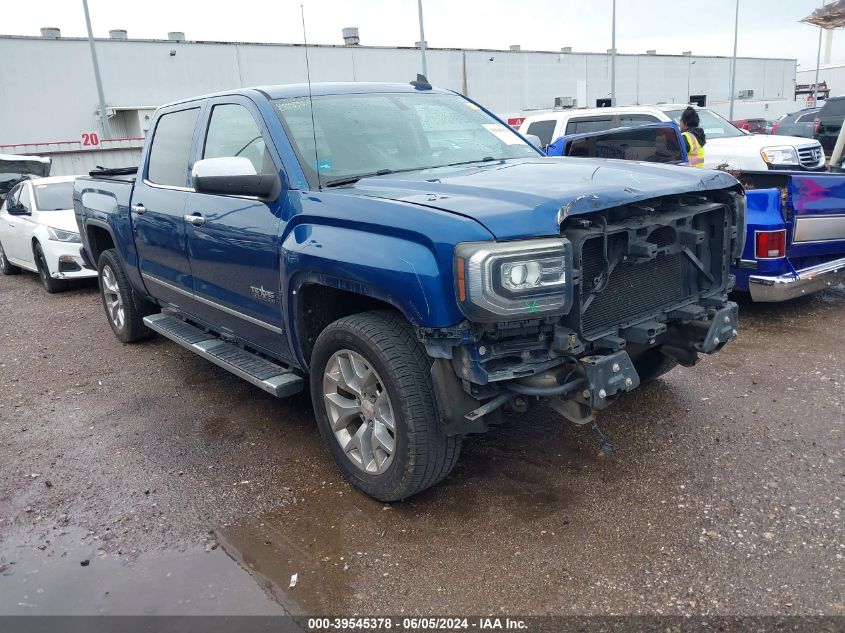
[[818, 60], [689, 76], [733, 62], [422, 40], [104, 115], [613, 58]]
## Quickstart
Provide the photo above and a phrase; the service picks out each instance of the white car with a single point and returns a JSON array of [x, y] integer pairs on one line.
[[38, 232], [726, 145]]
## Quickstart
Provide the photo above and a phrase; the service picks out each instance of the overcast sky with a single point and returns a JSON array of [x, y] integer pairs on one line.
[[768, 28]]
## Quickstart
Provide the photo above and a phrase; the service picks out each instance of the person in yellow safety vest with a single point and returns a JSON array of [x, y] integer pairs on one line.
[[694, 139]]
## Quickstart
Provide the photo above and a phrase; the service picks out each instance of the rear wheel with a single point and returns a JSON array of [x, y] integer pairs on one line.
[[375, 406], [125, 311], [652, 364], [52, 285], [6, 267]]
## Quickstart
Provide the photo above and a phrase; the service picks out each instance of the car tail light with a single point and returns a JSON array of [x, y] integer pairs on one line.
[[745, 126], [775, 128], [770, 244], [816, 124]]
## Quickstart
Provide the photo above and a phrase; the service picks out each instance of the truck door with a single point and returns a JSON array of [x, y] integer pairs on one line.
[[158, 209], [233, 241]]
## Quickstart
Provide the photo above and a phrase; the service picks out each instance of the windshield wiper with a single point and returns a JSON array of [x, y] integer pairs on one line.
[[383, 172], [486, 159], [353, 179]]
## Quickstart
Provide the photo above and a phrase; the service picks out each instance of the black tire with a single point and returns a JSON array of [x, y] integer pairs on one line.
[[423, 454], [6, 267], [130, 328], [50, 284], [652, 364]]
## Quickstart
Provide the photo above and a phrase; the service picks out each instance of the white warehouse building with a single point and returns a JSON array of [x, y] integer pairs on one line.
[[49, 104]]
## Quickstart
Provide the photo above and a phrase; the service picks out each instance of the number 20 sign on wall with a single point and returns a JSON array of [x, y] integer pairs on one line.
[[90, 139]]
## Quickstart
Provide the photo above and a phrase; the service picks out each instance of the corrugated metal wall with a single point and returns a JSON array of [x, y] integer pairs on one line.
[[73, 159], [57, 74]]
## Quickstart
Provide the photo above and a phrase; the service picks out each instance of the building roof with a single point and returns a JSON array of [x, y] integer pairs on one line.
[[362, 46]]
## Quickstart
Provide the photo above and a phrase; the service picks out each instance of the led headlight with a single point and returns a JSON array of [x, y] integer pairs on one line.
[[514, 280], [63, 236], [780, 155]]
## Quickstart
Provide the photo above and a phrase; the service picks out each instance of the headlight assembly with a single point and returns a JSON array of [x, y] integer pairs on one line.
[[514, 280], [780, 155], [63, 236]]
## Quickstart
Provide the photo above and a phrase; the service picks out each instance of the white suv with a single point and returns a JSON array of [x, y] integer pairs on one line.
[[726, 145]]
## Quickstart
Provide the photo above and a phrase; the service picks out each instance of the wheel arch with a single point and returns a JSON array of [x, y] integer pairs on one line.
[[318, 303], [99, 237]]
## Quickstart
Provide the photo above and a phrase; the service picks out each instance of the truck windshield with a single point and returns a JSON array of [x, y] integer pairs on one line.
[[363, 134], [713, 125], [55, 196]]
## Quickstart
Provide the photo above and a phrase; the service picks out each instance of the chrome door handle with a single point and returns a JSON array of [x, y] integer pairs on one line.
[[196, 220], [139, 208]]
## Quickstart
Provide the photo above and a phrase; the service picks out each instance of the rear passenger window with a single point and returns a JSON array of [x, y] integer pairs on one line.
[[171, 149], [592, 124], [233, 131], [543, 129]]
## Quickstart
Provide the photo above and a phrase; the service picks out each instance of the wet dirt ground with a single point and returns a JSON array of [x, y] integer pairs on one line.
[[187, 490]]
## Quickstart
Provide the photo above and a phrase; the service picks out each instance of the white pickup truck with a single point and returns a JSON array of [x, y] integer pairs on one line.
[[726, 145]]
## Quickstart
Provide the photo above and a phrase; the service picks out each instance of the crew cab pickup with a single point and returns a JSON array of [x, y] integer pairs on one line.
[[412, 260], [795, 228]]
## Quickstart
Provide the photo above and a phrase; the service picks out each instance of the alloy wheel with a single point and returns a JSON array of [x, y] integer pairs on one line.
[[112, 298], [360, 412]]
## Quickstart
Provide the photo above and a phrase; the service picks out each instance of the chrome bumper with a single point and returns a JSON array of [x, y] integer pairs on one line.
[[805, 282]]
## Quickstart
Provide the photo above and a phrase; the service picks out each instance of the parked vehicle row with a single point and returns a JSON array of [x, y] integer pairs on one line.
[[795, 225], [726, 145]]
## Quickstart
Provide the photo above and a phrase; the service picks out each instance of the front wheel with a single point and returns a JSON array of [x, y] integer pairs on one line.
[[375, 406], [124, 313], [50, 284]]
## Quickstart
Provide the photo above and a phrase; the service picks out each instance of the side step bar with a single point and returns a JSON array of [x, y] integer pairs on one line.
[[272, 378]]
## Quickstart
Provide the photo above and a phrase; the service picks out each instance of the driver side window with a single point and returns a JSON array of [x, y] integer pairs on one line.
[[232, 131], [25, 199]]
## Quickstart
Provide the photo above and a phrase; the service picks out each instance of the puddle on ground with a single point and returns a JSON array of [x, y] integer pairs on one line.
[[53, 581], [337, 551]]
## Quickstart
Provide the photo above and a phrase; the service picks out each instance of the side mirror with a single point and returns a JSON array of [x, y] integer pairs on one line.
[[232, 175], [17, 209]]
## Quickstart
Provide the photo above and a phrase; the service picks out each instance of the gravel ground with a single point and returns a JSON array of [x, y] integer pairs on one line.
[[723, 496]]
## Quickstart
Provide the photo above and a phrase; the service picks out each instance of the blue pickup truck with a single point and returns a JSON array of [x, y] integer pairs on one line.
[[411, 260], [795, 224]]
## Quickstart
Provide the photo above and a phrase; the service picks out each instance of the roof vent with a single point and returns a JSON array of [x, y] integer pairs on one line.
[[176, 36], [350, 36], [651, 52], [566, 49], [118, 34], [687, 53], [515, 47], [51, 32]]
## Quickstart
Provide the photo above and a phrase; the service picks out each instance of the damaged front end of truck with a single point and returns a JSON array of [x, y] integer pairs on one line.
[[622, 294]]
